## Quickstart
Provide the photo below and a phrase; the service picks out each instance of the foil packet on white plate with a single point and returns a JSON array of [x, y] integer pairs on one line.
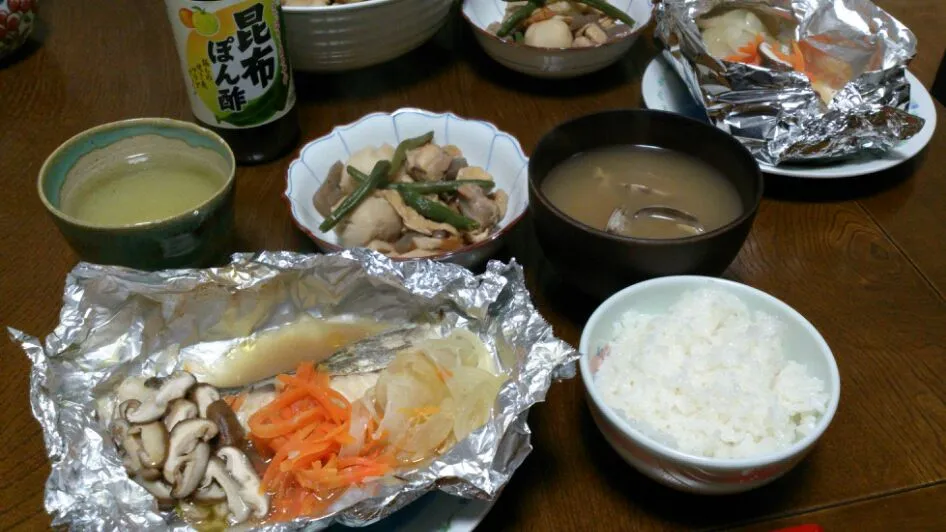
[[117, 323], [851, 96]]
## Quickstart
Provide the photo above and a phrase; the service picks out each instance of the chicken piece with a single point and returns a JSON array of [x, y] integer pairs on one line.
[[364, 160], [577, 22], [419, 253], [476, 205], [458, 163], [484, 233], [412, 219], [330, 191], [406, 242], [401, 176], [381, 246], [594, 33], [373, 219], [502, 201], [474, 172], [453, 151], [475, 237], [428, 163], [447, 243]]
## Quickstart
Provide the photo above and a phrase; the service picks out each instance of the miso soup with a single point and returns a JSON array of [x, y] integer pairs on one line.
[[126, 193], [590, 186]]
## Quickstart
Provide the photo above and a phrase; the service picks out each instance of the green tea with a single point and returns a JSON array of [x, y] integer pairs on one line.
[[128, 194]]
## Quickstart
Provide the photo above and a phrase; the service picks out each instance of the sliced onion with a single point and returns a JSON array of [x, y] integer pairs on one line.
[[474, 391], [424, 438]]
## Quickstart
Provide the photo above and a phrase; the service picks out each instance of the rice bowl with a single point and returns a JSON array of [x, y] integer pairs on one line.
[[684, 420]]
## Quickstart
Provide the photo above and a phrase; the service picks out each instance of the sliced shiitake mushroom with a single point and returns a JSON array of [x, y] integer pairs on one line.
[[241, 470], [203, 395], [188, 454], [153, 438], [180, 410], [238, 510], [129, 445], [160, 489], [231, 432], [174, 387], [190, 471]]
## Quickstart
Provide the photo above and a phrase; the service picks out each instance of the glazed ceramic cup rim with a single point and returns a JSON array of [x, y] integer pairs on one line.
[[832, 385], [747, 212], [122, 124]]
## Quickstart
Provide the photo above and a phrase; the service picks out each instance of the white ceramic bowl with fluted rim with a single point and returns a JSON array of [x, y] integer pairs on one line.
[[350, 36], [671, 467], [553, 63], [482, 144]]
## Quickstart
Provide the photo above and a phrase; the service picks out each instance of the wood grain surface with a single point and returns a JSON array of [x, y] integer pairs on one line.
[[863, 259]]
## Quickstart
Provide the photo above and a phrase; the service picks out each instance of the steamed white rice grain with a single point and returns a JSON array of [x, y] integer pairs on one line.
[[709, 378]]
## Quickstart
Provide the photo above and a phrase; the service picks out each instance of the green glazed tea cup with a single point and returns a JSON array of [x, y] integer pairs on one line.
[[194, 238]]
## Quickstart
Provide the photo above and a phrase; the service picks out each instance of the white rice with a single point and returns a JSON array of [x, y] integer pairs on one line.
[[709, 378]]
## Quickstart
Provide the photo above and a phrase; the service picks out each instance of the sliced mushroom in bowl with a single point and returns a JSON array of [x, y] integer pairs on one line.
[[451, 192]]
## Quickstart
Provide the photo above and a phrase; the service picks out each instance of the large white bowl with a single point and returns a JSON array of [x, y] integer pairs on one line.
[[552, 62], [711, 476], [350, 36], [482, 144]]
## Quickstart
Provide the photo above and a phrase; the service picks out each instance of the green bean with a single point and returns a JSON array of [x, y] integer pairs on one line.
[[436, 187], [610, 11], [378, 175], [518, 16], [357, 174], [400, 153], [431, 187], [436, 211]]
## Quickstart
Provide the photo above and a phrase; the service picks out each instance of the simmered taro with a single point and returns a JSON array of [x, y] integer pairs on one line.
[[562, 23], [415, 200]]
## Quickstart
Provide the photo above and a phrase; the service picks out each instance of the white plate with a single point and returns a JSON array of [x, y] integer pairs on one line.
[[482, 144], [435, 512], [664, 90]]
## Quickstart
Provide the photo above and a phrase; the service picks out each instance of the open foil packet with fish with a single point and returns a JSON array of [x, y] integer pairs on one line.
[[795, 80], [358, 308]]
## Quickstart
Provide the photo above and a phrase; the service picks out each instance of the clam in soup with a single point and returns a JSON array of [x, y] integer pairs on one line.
[[607, 189]]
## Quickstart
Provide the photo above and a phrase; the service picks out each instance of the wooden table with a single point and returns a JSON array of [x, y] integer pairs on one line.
[[863, 259]]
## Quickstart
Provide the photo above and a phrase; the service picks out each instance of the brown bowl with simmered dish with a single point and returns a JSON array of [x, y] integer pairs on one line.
[[622, 196]]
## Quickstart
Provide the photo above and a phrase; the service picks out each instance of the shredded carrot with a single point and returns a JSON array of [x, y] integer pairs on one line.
[[748, 54], [235, 401], [799, 58], [303, 429]]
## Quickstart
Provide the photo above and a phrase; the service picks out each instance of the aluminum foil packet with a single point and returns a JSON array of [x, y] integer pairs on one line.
[[854, 98], [117, 322]]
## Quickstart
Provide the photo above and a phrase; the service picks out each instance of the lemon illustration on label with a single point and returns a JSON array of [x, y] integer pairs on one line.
[[205, 23]]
